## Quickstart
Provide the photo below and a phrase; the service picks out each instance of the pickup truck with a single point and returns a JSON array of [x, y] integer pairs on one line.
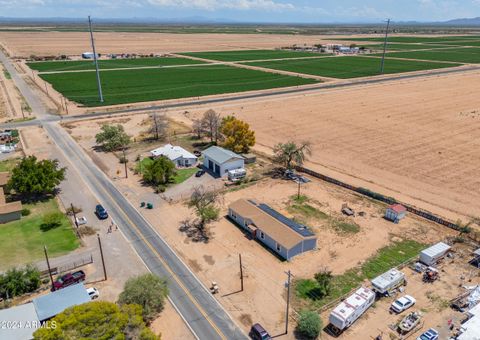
[[68, 280]]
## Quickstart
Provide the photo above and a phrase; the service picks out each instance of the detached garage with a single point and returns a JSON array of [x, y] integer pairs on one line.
[[219, 160]]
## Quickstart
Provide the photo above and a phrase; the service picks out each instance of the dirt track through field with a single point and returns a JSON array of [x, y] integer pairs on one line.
[[417, 140]]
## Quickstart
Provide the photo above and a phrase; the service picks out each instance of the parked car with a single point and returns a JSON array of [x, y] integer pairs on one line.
[[257, 332], [403, 303], [200, 173], [431, 334], [68, 280], [101, 212], [93, 292]]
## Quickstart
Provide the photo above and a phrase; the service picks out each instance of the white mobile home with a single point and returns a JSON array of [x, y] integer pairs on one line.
[[388, 281], [347, 312], [177, 154], [432, 255]]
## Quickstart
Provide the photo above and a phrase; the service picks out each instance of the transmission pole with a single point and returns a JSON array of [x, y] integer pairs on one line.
[[48, 266], [99, 84], [385, 47], [287, 312]]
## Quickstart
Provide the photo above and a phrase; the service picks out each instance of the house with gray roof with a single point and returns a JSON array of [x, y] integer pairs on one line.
[[219, 160], [19, 322]]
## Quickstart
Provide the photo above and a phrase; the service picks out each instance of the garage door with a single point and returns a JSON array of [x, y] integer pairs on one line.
[[217, 169], [210, 165]]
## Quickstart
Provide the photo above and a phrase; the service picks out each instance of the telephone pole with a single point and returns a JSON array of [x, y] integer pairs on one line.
[[241, 272], [48, 266], [289, 274], [101, 255], [99, 84], [125, 161], [385, 47]]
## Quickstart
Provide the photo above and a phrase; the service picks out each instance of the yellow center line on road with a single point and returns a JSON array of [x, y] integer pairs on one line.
[[167, 267]]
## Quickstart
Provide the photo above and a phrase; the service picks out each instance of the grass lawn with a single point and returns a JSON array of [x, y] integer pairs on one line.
[[250, 55], [181, 176], [130, 86], [348, 67], [386, 258], [461, 55], [9, 164], [77, 65], [23, 240]]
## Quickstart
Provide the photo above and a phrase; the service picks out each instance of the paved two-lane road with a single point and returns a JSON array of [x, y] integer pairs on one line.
[[203, 313]]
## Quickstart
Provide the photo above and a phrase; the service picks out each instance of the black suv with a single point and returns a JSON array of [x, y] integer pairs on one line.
[[101, 212]]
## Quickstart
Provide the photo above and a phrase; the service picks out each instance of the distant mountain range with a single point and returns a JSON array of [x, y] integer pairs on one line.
[[465, 22]]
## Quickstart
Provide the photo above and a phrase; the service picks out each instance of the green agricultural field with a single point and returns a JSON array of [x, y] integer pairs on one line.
[[251, 55], [349, 67], [437, 40], [131, 86], [23, 240], [57, 66], [459, 55], [399, 47], [462, 43]]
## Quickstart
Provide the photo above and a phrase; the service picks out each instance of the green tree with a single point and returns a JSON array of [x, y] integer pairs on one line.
[[112, 137], [309, 324], [98, 320], [291, 153], [148, 291], [204, 202], [52, 220], [35, 178], [160, 171], [15, 281], [324, 281], [237, 135]]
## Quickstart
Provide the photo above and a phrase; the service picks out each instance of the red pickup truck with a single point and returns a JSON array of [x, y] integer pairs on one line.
[[68, 280]]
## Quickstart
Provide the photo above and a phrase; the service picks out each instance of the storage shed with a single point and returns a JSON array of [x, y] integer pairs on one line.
[[48, 306], [395, 213], [388, 281], [219, 160], [284, 236], [432, 255]]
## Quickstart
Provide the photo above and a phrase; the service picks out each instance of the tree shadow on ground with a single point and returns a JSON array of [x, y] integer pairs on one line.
[[195, 231]]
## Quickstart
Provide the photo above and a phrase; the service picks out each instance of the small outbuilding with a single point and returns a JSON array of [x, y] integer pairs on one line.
[[48, 306], [89, 55], [10, 211], [432, 255], [279, 233], [395, 213], [177, 154], [219, 160]]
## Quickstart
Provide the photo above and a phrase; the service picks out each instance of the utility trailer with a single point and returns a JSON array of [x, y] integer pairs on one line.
[[347, 312], [435, 253], [386, 283]]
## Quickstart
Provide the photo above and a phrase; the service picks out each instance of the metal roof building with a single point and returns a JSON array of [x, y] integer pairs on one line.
[[47, 306], [22, 319], [219, 160]]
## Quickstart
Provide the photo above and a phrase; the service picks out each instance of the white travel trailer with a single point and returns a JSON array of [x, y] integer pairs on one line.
[[432, 255], [387, 282], [347, 312]]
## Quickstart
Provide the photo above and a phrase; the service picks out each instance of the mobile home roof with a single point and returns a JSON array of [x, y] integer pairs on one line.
[[383, 281]]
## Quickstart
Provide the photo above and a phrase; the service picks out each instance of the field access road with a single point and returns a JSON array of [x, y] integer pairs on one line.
[[203, 313]]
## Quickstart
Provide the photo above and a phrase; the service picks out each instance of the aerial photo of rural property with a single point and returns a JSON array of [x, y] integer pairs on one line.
[[240, 169]]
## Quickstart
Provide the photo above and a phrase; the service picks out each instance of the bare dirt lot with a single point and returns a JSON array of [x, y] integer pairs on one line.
[[416, 140], [24, 44]]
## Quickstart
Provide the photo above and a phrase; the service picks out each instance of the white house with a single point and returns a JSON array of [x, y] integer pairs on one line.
[[220, 160], [177, 154]]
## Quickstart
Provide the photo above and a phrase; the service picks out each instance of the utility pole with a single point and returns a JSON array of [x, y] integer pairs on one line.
[[125, 163], [241, 272], [288, 301], [99, 84], [74, 215], [385, 47], [298, 194], [48, 266], [101, 255]]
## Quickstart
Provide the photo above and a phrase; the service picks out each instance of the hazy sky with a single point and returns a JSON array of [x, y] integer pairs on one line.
[[249, 10]]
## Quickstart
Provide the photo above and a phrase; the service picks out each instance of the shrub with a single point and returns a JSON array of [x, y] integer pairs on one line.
[[52, 220], [71, 209], [309, 324], [26, 212]]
